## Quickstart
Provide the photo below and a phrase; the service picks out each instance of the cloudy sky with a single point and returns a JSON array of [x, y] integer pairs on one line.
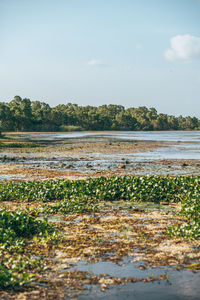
[[94, 52]]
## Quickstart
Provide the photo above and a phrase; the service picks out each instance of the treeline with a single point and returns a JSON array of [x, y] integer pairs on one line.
[[25, 115]]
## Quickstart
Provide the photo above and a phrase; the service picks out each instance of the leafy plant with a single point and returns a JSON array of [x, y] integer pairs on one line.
[[74, 205], [16, 228], [20, 145], [190, 211], [142, 188]]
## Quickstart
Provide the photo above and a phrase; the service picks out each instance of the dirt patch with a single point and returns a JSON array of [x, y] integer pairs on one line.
[[36, 174]]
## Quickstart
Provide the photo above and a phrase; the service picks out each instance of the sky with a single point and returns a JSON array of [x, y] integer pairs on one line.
[[94, 52]]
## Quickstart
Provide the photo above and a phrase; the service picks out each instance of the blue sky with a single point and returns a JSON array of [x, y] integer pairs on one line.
[[94, 52]]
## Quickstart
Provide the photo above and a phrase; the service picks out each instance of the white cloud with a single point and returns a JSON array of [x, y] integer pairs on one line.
[[96, 63], [183, 48]]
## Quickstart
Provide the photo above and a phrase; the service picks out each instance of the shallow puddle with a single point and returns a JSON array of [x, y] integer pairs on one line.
[[125, 268], [182, 285]]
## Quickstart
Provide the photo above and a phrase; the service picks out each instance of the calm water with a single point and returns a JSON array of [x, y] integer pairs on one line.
[[182, 144], [181, 285], [171, 136]]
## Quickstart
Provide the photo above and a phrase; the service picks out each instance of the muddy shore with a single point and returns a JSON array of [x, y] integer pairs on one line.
[[90, 156]]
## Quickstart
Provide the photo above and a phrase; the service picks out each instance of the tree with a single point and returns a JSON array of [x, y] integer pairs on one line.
[[1, 128], [41, 115], [125, 121], [6, 117], [22, 113]]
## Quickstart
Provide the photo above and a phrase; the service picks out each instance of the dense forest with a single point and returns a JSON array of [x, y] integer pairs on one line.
[[25, 115]]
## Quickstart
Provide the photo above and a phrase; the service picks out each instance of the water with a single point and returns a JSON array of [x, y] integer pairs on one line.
[[182, 288], [170, 136], [182, 151], [173, 146], [165, 136], [5, 177], [181, 144], [180, 285]]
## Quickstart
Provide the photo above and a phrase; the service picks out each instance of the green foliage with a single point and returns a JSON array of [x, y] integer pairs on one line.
[[1, 129], [12, 272], [190, 210], [70, 128], [23, 114], [74, 205], [186, 230], [16, 228], [82, 195], [20, 225], [142, 188], [19, 145]]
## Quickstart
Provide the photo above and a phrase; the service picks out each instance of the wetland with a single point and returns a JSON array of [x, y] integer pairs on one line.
[[112, 215], [83, 154]]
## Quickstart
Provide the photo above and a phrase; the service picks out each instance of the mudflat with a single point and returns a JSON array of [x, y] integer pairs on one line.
[[62, 156]]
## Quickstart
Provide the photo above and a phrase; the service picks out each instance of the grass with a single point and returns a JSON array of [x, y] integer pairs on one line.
[[19, 145]]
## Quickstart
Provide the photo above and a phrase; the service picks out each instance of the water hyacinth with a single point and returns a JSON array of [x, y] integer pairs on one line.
[[190, 210], [16, 229], [82, 195], [142, 188]]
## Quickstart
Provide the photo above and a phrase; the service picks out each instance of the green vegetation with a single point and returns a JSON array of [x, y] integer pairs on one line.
[[17, 229], [77, 205], [23, 114], [1, 127], [82, 195], [16, 225], [190, 211], [142, 188], [70, 128], [19, 145]]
